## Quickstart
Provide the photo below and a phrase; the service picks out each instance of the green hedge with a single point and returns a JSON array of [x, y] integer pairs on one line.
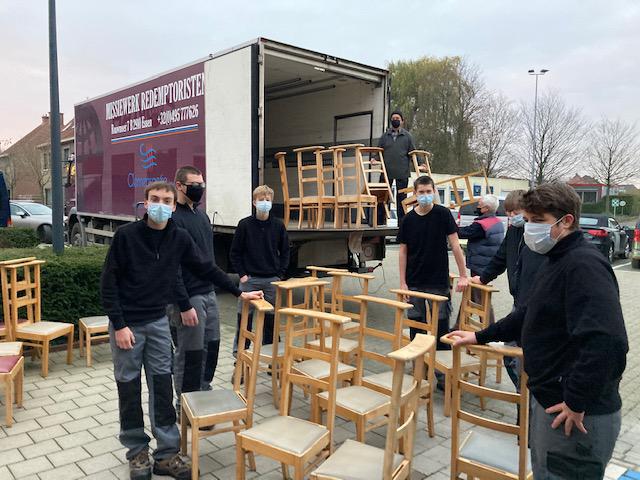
[[70, 282], [13, 237], [631, 208]]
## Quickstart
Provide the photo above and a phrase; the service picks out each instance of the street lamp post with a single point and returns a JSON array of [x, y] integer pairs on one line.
[[535, 119]]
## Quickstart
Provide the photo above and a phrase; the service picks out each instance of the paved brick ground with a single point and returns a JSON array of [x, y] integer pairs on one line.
[[68, 426]]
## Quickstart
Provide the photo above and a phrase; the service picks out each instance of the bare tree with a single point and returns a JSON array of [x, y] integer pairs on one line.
[[559, 135], [29, 163], [613, 153], [496, 133]]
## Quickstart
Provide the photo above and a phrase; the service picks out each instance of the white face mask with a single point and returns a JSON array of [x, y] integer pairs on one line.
[[538, 238]]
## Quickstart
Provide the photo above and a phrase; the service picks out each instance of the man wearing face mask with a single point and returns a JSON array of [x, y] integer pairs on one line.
[[139, 275], [573, 338], [196, 346], [397, 143], [260, 255]]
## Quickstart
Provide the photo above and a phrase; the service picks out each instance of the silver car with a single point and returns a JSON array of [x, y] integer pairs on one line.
[[32, 215]]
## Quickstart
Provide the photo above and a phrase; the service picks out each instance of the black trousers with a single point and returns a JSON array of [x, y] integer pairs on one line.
[[401, 183]]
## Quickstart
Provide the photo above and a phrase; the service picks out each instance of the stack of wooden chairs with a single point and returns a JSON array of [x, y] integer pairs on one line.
[[340, 179]]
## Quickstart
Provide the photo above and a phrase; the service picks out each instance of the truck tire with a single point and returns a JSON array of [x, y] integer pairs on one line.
[[44, 233]]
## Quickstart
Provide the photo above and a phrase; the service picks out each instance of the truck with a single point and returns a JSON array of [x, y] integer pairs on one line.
[[228, 114]]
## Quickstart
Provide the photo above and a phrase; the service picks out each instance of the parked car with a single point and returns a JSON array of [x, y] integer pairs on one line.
[[606, 234], [32, 215], [467, 213], [635, 247]]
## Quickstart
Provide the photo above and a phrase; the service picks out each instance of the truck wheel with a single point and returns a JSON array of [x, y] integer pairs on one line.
[[44, 233], [76, 236]]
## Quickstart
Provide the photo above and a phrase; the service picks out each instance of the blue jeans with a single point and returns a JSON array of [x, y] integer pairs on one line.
[[152, 348]]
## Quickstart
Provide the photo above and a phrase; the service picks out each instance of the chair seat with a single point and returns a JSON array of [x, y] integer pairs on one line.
[[345, 345], [98, 321], [43, 328], [356, 198], [8, 363], [378, 186], [350, 326], [358, 399], [10, 348], [481, 448], [315, 368], [385, 380], [289, 434], [267, 350], [212, 402], [406, 332], [315, 199], [356, 461], [445, 358]]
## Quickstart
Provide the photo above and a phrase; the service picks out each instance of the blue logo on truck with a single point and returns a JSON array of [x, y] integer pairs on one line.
[[148, 156]]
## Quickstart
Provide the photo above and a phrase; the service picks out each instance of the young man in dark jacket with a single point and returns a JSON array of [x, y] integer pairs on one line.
[[260, 255], [196, 346], [574, 341], [138, 278]]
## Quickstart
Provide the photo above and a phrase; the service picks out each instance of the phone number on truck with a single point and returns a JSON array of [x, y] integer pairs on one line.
[[168, 117]]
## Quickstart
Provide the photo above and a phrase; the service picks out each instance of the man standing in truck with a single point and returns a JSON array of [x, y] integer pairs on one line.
[[196, 346], [138, 277]]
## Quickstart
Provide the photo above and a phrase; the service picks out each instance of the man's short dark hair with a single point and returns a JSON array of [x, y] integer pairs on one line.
[[397, 112], [555, 198], [166, 186], [181, 174], [424, 180], [514, 200]]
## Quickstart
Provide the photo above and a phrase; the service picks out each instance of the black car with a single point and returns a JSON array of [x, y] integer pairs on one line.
[[605, 233]]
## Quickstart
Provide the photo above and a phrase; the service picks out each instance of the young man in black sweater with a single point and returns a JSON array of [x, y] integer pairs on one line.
[[260, 255], [574, 341], [138, 278]]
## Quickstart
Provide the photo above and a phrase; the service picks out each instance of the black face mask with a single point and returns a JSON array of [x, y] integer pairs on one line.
[[395, 123], [194, 192], [478, 211]]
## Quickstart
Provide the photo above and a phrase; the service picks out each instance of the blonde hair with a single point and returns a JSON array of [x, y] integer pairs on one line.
[[263, 190]]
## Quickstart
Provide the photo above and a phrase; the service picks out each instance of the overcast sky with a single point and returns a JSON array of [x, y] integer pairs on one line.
[[590, 47]]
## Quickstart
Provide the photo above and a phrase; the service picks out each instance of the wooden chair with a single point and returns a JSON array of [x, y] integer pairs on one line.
[[290, 203], [12, 376], [350, 188], [286, 439], [25, 293], [473, 317], [481, 455], [310, 188], [421, 163], [326, 183], [357, 461], [467, 188], [323, 273], [380, 187], [89, 330], [202, 410], [339, 298], [430, 327], [10, 348], [5, 325]]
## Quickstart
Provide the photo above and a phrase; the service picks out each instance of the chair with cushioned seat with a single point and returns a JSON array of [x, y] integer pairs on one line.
[[12, 376], [10, 348], [89, 330], [357, 461], [21, 283], [210, 408], [498, 450], [289, 440]]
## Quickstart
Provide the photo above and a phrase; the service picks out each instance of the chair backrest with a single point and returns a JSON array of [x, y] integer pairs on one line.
[[327, 173], [416, 156], [324, 273], [467, 188], [281, 157], [249, 361], [432, 305], [21, 288], [309, 184], [347, 172], [474, 315], [404, 402], [394, 337], [338, 298], [369, 168], [311, 321], [478, 418]]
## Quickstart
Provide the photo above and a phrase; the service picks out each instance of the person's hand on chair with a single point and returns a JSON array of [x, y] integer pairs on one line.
[[463, 282], [461, 337]]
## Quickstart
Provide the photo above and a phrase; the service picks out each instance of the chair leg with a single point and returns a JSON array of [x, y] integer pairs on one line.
[[430, 427], [447, 394], [70, 347], [361, 429], [19, 386], [240, 467], [81, 331], [8, 394], [87, 337], [195, 450], [275, 392], [183, 431], [285, 471], [45, 359], [499, 364], [287, 214]]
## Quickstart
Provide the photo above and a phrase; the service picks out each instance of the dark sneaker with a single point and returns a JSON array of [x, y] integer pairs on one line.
[[140, 467], [176, 467]]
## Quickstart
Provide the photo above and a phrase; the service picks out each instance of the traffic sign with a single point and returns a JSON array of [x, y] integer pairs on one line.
[[615, 202], [622, 203]]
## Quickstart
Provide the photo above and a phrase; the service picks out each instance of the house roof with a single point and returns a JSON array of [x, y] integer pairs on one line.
[[40, 135], [585, 180]]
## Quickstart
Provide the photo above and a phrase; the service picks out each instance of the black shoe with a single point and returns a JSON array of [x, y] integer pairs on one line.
[[176, 467], [140, 467]]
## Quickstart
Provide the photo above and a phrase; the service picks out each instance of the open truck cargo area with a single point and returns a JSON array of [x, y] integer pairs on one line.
[[228, 114]]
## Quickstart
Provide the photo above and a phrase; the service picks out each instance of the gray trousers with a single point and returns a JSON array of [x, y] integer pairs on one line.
[[579, 456], [152, 348], [418, 312], [264, 284], [196, 348]]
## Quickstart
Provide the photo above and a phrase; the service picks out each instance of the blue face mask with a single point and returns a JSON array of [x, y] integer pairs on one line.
[[263, 206], [159, 212], [518, 220], [425, 200]]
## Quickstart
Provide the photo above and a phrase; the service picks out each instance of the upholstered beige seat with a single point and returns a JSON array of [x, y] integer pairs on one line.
[[267, 350], [345, 345], [358, 399], [445, 358], [355, 461], [97, 321], [481, 448], [315, 368], [90, 329], [385, 380], [213, 402], [42, 328], [10, 348], [289, 434]]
